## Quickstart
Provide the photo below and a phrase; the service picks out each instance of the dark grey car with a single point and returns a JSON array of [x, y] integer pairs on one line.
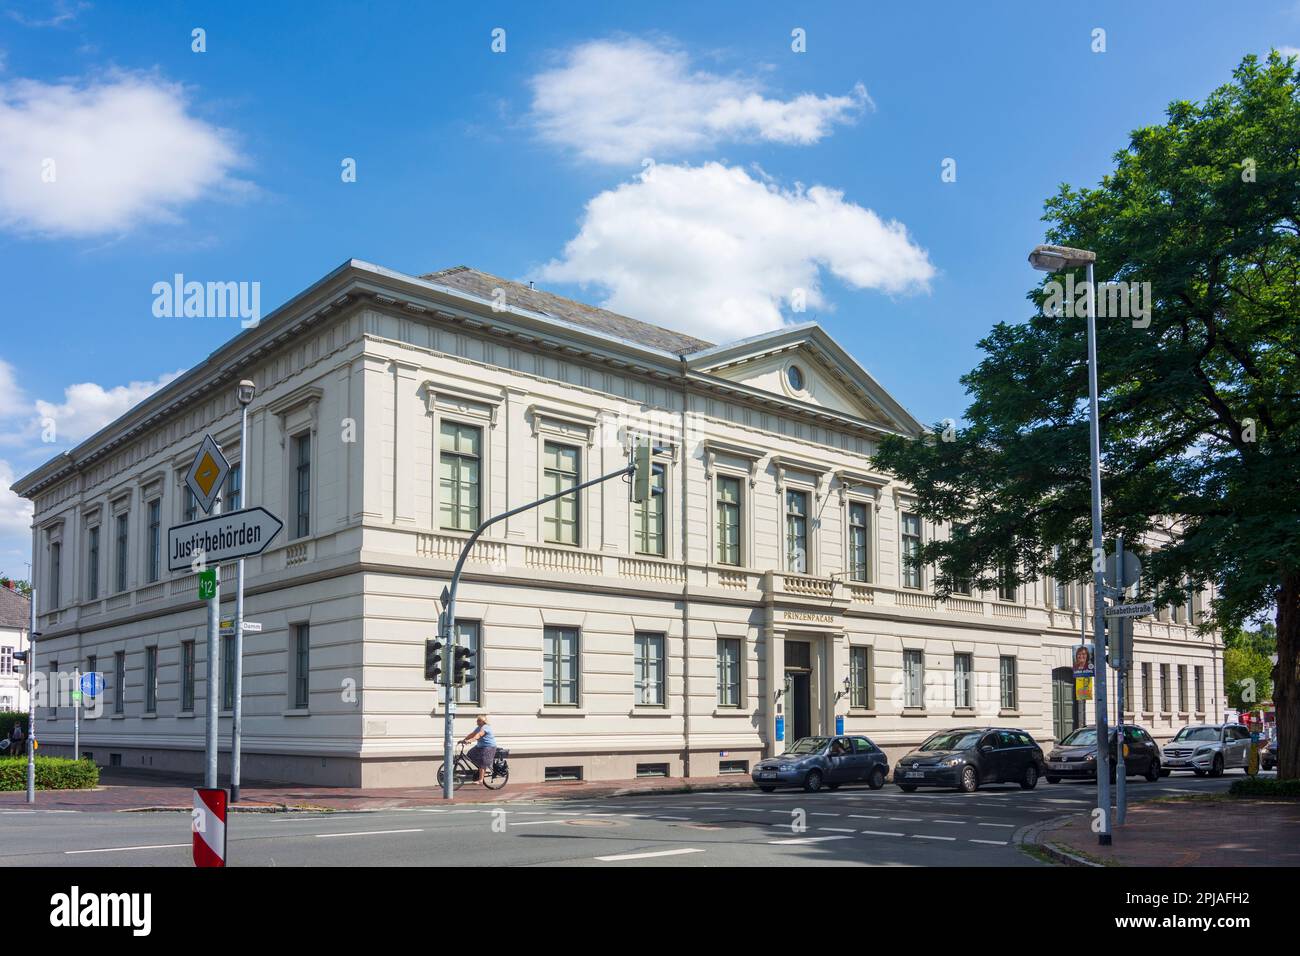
[[816, 762]]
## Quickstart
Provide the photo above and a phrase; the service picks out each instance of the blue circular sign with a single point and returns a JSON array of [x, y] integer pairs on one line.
[[91, 684]]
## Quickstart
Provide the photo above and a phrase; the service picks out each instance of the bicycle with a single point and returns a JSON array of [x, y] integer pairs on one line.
[[466, 772]]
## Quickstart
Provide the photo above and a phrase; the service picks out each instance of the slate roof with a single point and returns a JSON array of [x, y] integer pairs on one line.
[[15, 610], [579, 313]]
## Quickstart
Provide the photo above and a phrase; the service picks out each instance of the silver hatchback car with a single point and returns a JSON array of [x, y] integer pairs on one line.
[[1207, 749]]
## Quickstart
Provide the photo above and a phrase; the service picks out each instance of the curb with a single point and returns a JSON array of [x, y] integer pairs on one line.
[[1032, 835]]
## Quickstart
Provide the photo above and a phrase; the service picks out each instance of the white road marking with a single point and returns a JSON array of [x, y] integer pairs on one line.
[[928, 836], [806, 840], [327, 836], [1009, 826], [882, 833], [837, 829], [905, 819], [949, 821], [646, 856], [991, 842], [119, 849], [864, 816]]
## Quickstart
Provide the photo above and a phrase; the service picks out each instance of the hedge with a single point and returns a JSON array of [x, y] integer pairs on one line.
[[1265, 787], [7, 720], [52, 773]]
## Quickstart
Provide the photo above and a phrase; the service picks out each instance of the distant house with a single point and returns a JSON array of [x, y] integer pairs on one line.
[[15, 618]]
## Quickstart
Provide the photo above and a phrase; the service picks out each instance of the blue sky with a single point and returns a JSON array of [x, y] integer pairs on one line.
[[773, 169]]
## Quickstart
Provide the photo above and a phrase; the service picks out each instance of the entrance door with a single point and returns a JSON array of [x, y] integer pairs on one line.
[[1064, 710], [800, 705]]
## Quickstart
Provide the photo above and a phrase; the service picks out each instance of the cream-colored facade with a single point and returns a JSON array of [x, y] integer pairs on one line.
[[390, 407]]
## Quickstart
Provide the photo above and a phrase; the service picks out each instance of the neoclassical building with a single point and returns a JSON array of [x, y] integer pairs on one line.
[[759, 598]]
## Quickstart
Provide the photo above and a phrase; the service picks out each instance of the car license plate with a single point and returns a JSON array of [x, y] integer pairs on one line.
[[767, 775], [913, 773], [1059, 766]]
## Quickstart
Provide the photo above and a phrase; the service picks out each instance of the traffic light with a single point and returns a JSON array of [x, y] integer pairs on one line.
[[643, 472], [20, 658], [463, 659], [433, 659]]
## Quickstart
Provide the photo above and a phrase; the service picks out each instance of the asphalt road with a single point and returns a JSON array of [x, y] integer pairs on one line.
[[849, 827]]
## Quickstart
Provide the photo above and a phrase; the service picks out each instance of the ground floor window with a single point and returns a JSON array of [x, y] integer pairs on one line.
[[1007, 674], [860, 677], [728, 672], [648, 667], [913, 679], [560, 666]]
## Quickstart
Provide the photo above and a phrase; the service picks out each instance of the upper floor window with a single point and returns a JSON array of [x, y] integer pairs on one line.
[[1007, 589], [56, 573], [728, 506], [961, 584], [459, 470], [155, 539], [859, 541], [648, 519], [302, 484], [560, 470], [190, 512], [796, 531], [234, 489], [92, 563], [123, 555], [910, 550]]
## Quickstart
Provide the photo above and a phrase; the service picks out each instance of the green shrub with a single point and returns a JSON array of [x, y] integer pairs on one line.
[[1265, 787], [52, 773], [7, 720]]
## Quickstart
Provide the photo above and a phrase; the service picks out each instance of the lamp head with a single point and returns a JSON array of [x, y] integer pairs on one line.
[[245, 392], [1055, 258]]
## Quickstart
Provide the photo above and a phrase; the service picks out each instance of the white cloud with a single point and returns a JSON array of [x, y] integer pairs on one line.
[[1288, 50], [12, 400], [123, 152], [15, 512], [621, 101], [712, 251], [88, 407]]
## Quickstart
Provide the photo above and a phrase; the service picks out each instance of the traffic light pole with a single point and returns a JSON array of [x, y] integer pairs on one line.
[[449, 614]]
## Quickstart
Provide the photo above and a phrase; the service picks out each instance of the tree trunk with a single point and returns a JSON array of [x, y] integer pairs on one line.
[[1286, 678]]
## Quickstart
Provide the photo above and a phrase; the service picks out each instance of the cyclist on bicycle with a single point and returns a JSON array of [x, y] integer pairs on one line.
[[484, 750]]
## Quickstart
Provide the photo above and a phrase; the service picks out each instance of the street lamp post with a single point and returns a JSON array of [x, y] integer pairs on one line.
[[244, 394], [1053, 259]]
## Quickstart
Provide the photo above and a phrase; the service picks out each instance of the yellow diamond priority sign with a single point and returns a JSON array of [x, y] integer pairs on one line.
[[208, 473]]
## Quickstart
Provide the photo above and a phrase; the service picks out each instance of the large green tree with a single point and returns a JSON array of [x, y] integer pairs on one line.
[[1199, 409]]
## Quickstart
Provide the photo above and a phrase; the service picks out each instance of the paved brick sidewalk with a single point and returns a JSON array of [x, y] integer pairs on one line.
[[1227, 832], [125, 791]]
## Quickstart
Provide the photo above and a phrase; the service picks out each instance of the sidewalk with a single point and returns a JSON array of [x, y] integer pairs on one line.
[[1219, 832], [126, 791]]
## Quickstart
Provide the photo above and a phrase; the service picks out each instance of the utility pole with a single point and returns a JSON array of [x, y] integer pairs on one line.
[[76, 712], [31, 697], [244, 394], [1122, 652], [214, 673], [642, 456]]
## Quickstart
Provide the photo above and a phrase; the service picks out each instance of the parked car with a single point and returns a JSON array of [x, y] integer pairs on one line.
[[967, 757], [1076, 755], [816, 762], [1268, 755], [1208, 748]]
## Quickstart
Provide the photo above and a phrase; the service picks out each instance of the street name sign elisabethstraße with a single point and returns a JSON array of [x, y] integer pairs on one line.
[[221, 538], [1131, 610]]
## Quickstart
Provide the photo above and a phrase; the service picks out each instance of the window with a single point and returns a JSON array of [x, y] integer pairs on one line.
[[794, 377], [652, 770], [796, 531], [1007, 673], [123, 553], [859, 542], [648, 519], [1198, 675], [560, 667], [228, 672], [1007, 590], [92, 563], [191, 510], [961, 584], [151, 680], [55, 689], [1146, 688], [6, 659], [1164, 688], [234, 489], [913, 679], [56, 572], [459, 475], [187, 677], [301, 666], [560, 469], [1061, 597], [467, 635], [92, 664], [648, 669], [728, 505], [728, 672], [910, 548], [1182, 688], [1128, 693], [302, 484], [860, 677], [154, 545], [733, 766], [962, 678], [119, 682]]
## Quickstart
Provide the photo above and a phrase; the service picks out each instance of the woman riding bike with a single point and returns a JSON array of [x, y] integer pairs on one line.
[[484, 750]]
